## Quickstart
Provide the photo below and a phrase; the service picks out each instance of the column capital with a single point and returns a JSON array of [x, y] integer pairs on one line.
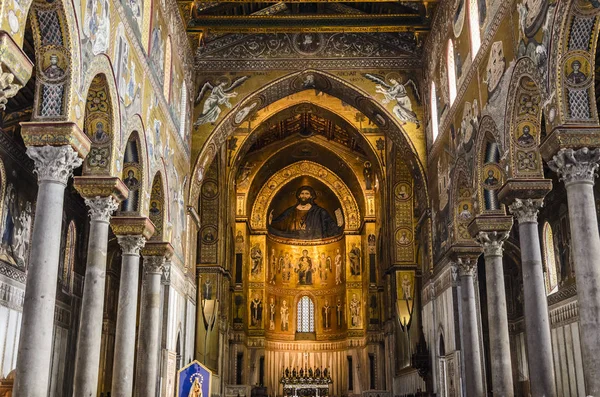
[[131, 244], [492, 242], [153, 264], [132, 226], [54, 163], [101, 208], [15, 68], [526, 210], [576, 165], [467, 266], [101, 186], [569, 137]]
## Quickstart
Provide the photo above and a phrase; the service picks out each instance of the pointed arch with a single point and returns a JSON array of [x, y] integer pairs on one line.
[[434, 112], [168, 67], [451, 71], [305, 314], [158, 209], [133, 174], [549, 255], [489, 151], [68, 264], [474, 26], [329, 84]]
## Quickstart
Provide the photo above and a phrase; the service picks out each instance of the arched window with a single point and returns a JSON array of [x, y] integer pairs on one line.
[[473, 10], [451, 72], [69, 259], [306, 315], [550, 260], [183, 108], [434, 112]]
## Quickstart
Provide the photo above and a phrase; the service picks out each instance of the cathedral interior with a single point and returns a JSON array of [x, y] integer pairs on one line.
[[307, 198]]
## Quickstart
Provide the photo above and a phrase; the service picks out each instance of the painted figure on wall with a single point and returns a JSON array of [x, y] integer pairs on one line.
[[305, 220], [285, 315], [355, 311], [368, 174], [326, 313], [96, 24], [256, 308], [355, 263], [272, 314], [157, 51], [219, 95], [339, 315], [272, 267], [406, 288], [338, 267], [396, 92], [304, 268], [256, 256]]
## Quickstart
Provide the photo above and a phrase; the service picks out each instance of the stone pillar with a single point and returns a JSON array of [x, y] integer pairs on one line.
[[15, 66], [155, 254], [53, 165], [102, 196], [467, 268], [132, 233], [577, 169], [537, 323]]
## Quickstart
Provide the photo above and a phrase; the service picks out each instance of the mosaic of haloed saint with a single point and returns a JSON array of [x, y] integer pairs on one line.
[[305, 209]]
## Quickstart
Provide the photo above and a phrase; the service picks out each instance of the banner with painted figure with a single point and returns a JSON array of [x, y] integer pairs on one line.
[[194, 380]]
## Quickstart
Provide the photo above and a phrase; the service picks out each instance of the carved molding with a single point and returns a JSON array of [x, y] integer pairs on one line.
[[492, 242], [576, 166], [131, 245], [526, 211], [8, 89], [101, 208], [54, 163]]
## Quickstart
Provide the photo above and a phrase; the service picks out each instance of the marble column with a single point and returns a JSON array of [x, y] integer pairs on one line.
[[502, 383], [578, 169], [155, 255], [90, 328], [537, 323], [122, 380], [53, 165], [467, 268]]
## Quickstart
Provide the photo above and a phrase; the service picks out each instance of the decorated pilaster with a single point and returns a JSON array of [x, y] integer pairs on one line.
[[578, 169], [15, 68], [54, 166], [102, 195], [467, 270], [132, 234], [155, 254], [525, 198], [491, 232]]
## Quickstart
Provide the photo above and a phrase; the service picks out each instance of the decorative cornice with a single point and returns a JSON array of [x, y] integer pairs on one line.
[[569, 137], [576, 166], [492, 242], [131, 245], [521, 188], [526, 211], [132, 226], [94, 186], [158, 248], [56, 133], [101, 208], [14, 60], [54, 163]]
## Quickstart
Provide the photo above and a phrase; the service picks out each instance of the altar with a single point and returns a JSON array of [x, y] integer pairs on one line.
[[305, 382]]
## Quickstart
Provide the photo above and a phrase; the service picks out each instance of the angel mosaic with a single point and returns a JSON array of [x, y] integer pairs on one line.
[[219, 95], [394, 91]]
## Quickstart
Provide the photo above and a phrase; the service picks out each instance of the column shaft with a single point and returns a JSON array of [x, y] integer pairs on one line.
[[122, 380], [502, 382], [87, 358], [149, 341], [537, 323], [585, 245], [35, 348], [54, 166], [472, 352]]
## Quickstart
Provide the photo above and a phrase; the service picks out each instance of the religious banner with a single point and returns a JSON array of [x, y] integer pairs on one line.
[[194, 380]]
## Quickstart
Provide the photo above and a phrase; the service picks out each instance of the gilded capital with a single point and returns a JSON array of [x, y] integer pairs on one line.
[[576, 165], [131, 245], [526, 211], [101, 208], [492, 242], [132, 226], [54, 163]]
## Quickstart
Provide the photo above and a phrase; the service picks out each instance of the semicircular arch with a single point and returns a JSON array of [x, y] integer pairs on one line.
[[259, 216]]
